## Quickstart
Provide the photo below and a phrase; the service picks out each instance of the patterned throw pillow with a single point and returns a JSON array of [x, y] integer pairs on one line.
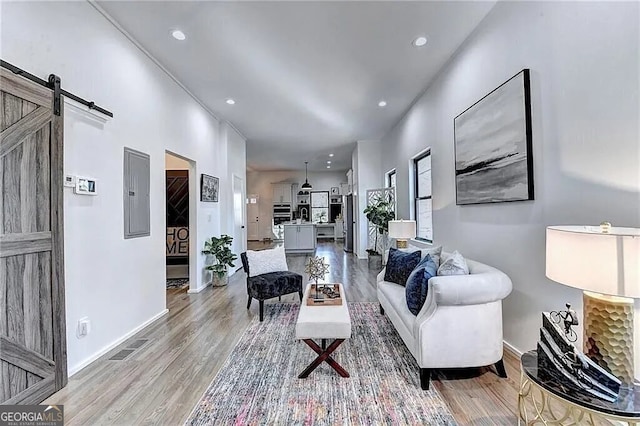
[[265, 261], [400, 265], [418, 284], [435, 253], [454, 265]]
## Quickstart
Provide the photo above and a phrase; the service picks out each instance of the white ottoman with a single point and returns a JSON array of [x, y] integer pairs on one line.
[[323, 322]]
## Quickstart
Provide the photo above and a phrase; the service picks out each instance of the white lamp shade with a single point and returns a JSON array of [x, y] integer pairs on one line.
[[586, 258], [402, 229]]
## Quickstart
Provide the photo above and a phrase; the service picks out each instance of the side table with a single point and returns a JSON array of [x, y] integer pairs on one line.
[[544, 400]]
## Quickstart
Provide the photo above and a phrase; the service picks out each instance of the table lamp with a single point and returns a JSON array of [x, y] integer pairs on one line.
[[604, 262], [402, 230]]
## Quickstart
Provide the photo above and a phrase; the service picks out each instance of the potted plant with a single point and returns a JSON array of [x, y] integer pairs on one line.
[[220, 249], [379, 213]]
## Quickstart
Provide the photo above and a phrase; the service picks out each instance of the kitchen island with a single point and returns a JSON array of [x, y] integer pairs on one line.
[[299, 237]]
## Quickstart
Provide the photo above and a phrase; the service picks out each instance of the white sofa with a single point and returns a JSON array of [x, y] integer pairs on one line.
[[460, 324]]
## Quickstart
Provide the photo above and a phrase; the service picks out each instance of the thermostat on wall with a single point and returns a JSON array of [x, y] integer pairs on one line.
[[86, 186], [70, 181]]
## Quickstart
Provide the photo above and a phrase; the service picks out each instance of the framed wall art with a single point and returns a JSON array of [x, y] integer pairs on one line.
[[493, 146], [209, 187]]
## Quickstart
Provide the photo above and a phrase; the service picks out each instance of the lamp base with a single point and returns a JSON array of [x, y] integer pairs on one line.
[[401, 244], [608, 334]]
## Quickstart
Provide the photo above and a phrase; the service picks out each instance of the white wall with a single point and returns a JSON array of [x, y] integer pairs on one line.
[[366, 176], [236, 166], [171, 162], [119, 284], [260, 183], [584, 76]]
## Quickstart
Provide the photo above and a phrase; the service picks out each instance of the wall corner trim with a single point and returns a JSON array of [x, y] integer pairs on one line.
[[76, 368], [512, 348], [199, 289]]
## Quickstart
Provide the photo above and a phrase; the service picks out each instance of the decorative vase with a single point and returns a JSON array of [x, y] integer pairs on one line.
[[220, 280], [375, 261]]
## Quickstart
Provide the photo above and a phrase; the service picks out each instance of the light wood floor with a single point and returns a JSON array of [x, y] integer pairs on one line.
[[163, 380]]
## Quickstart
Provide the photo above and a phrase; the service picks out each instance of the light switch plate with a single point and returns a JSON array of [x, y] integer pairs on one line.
[[84, 327]]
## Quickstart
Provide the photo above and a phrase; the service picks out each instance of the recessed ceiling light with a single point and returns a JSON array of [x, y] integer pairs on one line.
[[328, 162], [330, 155], [178, 35], [230, 101], [420, 41], [328, 167], [382, 104]]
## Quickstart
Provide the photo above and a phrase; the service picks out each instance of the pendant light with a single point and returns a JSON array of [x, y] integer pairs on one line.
[[306, 184]]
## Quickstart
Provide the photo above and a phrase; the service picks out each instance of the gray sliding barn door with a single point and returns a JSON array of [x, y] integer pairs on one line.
[[33, 361]]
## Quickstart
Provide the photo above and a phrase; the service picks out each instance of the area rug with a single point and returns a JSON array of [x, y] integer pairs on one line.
[[258, 384], [177, 282]]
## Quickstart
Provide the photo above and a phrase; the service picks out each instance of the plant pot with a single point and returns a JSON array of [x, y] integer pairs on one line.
[[220, 280], [375, 261]]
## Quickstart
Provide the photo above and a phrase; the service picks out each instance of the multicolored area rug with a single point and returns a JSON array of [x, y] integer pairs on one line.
[[177, 282], [258, 384]]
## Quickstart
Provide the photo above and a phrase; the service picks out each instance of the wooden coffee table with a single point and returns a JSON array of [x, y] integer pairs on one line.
[[323, 322]]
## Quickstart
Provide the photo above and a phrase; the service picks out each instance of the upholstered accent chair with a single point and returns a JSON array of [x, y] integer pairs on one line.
[[270, 285]]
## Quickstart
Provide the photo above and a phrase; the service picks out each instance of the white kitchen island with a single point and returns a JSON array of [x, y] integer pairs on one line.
[[299, 238]]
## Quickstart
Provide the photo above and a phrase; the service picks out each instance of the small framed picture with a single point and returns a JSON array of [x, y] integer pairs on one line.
[[209, 188], [335, 190]]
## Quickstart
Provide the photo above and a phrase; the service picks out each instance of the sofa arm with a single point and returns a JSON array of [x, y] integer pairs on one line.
[[472, 289], [380, 276]]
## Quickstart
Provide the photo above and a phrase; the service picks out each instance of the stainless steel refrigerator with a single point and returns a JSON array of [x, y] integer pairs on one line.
[[348, 225]]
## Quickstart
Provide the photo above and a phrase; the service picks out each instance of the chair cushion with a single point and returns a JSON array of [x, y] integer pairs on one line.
[[417, 284], [454, 265], [400, 265], [265, 261], [273, 284]]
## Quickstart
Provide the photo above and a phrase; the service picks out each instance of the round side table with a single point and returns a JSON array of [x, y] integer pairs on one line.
[[544, 400]]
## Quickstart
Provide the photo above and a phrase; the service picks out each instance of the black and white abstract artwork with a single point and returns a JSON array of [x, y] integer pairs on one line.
[[494, 162], [209, 188]]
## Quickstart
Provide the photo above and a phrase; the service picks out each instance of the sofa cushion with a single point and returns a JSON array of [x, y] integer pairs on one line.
[[454, 265], [417, 284], [266, 261], [400, 265]]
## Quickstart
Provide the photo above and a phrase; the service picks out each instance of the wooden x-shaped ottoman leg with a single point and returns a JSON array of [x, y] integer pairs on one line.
[[323, 355]]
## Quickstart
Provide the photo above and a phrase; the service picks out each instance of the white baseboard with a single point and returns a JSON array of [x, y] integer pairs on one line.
[[76, 368], [512, 348], [199, 289]]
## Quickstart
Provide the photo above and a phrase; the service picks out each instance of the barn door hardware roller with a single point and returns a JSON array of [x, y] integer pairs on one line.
[[54, 84]]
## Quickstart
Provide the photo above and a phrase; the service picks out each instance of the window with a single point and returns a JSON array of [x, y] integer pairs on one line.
[[391, 179], [422, 188], [320, 206]]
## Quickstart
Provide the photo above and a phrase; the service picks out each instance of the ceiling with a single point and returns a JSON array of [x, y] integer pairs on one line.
[[306, 76]]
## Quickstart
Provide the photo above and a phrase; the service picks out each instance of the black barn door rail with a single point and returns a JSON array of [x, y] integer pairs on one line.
[[54, 84]]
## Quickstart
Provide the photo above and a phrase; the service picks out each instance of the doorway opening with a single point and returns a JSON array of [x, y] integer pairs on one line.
[[180, 214], [239, 219]]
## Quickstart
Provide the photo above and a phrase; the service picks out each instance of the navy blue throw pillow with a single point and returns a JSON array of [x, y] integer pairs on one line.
[[400, 264], [417, 284]]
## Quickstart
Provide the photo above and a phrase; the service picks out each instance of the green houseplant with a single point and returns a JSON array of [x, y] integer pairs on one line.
[[379, 213], [220, 249]]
